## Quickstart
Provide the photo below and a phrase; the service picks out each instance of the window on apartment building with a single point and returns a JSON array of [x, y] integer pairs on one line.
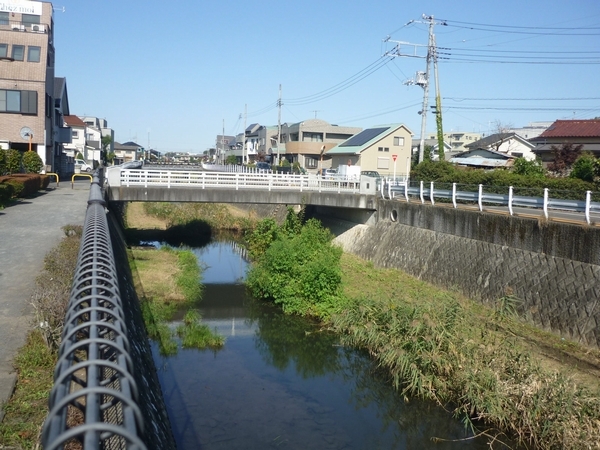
[[18, 52], [29, 19], [311, 163], [24, 102], [383, 149], [398, 141], [33, 53], [3, 50], [3, 18]]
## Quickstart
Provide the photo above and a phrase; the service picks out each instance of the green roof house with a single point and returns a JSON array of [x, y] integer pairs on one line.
[[385, 149]]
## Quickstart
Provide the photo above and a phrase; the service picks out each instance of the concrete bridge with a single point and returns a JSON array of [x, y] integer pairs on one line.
[[155, 185]]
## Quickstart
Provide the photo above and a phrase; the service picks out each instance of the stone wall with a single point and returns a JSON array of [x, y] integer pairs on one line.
[[553, 268]]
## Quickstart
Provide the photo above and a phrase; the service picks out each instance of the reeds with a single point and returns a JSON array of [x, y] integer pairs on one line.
[[439, 350]]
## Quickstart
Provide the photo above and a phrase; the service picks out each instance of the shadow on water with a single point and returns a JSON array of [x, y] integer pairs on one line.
[[282, 382], [197, 233]]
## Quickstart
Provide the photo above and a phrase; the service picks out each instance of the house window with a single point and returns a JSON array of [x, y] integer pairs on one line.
[[24, 102], [33, 53], [18, 52], [3, 50], [75, 134], [383, 163], [3, 18], [398, 141]]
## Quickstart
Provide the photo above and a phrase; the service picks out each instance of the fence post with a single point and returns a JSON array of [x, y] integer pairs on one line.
[[546, 203], [406, 191], [431, 194], [510, 200], [588, 201], [454, 194], [480, 200], [421, 192]]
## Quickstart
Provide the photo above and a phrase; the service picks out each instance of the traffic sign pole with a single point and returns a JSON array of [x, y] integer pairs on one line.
[[394, 157]]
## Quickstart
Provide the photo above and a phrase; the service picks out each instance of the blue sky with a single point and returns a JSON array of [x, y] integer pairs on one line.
[[168, 74]]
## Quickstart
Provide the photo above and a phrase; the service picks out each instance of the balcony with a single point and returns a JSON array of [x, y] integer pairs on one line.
[[12, 25]]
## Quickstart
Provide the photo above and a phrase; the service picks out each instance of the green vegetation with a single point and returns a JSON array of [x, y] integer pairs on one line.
[[32, 163], [430, 343], [169, 280], [299, 270], [13, 161], [497, 181]]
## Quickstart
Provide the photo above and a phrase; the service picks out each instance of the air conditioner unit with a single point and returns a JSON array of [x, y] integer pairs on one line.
[[37, 28], [17, 27]]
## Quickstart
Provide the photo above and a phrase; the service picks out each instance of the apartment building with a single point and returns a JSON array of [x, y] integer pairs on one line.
[[32, 101]]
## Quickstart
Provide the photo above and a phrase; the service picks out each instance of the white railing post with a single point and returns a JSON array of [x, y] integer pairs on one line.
[[480, 200], [237, 182], [588, 201], [203, 180], [406, 191], [431, 193], [510, 200], [421, 192], [546, 203], [169, 180], [454, 194]]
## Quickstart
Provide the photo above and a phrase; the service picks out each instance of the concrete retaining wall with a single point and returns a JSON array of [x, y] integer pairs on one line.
[[552, 268]]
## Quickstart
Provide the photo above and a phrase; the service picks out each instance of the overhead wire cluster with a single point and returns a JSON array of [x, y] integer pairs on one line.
[[483, 54]]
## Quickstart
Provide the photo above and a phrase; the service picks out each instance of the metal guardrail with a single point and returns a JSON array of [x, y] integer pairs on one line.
[[234, 180], [93, 382], [480, 197]]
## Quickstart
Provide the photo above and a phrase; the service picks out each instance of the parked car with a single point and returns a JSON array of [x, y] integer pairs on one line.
[[83, 166], [263, 167], [371, 173], [327, 173]]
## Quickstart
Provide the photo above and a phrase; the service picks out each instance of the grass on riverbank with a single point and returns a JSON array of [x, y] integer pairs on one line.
[[167, 280], [27, 408], [441, 346]]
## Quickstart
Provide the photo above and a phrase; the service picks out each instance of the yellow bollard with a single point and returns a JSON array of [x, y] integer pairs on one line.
[[53, 174], [80, 175]]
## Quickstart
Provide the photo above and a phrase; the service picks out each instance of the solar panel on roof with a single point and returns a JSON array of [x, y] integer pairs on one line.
[[363, 137]]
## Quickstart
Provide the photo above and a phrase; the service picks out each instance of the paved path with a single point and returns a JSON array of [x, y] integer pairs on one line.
[[29, 230]]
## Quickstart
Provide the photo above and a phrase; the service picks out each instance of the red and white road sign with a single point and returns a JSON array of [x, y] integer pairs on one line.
[[394, 157]]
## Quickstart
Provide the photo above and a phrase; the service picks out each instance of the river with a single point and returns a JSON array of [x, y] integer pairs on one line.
[[279, 382]]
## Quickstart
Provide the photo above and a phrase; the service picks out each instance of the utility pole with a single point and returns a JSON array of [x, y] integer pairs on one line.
[[422, 79], [244, 155], [221, 159], [279, 125]]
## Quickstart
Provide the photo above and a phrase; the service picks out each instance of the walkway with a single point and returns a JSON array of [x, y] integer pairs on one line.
[[28, 231]]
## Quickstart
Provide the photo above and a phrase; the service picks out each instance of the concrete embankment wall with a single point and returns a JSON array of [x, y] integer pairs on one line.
[[553, 268]]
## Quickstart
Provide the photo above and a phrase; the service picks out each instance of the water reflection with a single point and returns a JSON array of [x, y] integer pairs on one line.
[[281, 382]]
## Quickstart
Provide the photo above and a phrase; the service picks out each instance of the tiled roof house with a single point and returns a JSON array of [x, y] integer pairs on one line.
[[584, 132]]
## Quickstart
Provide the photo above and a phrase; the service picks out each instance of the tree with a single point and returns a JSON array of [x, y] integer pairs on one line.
[[501, 129], [106, 141], [564, 157], [231, 159], [585, 168], [528, 168]]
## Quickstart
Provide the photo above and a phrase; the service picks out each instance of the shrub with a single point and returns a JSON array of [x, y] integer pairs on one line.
[[300, 272], [13, 161], [24, 185], [32, 162], [525, 167], [2, 162], [585, 167], [6, 193]]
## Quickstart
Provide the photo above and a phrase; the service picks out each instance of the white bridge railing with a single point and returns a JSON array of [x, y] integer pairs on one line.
[[231, 180], [428, 192]]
